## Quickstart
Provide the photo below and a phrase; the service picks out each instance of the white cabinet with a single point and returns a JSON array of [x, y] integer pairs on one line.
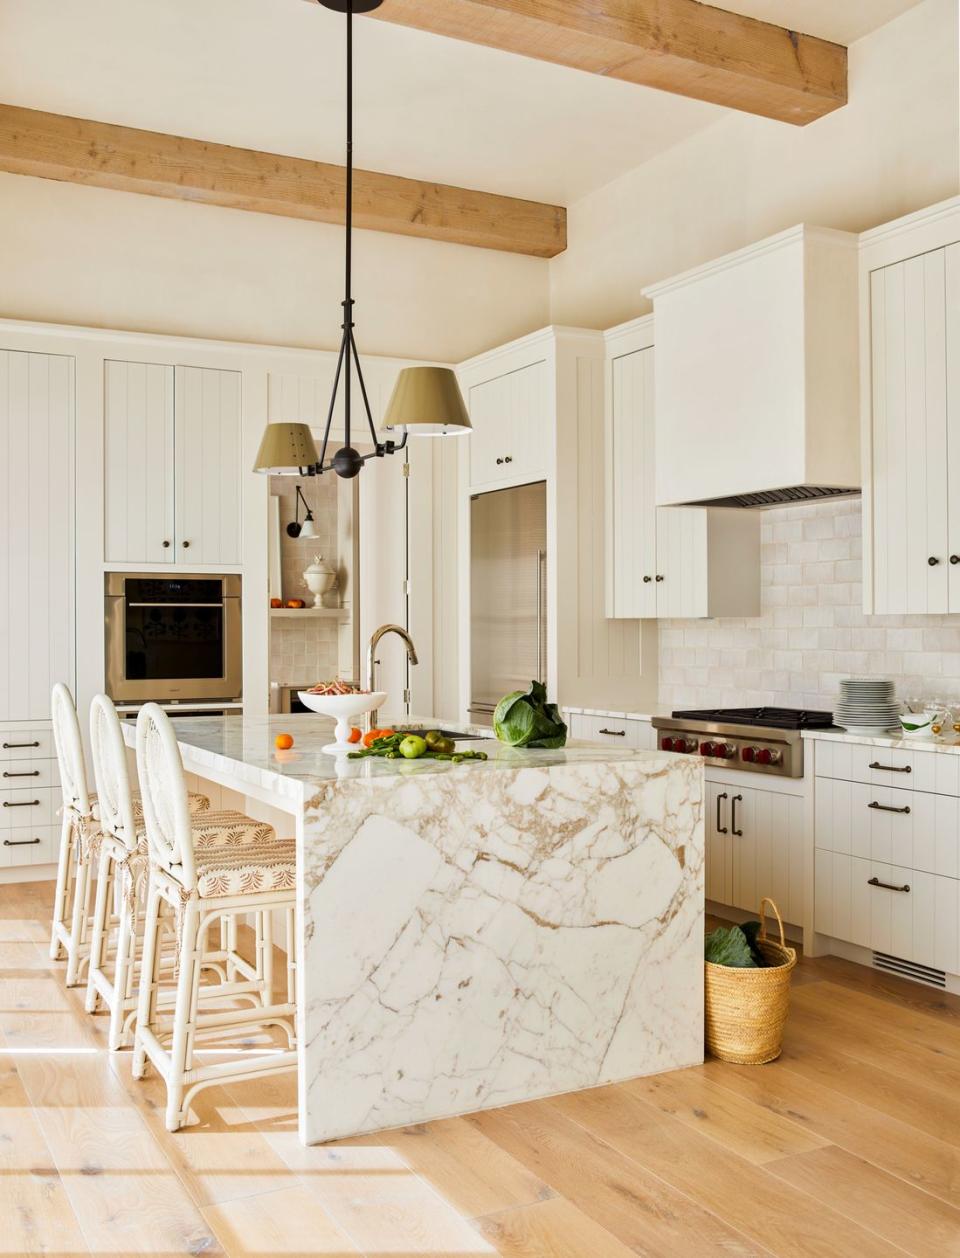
[[915, 429], [755, 848], [172, 454], [37, 560], [511, 430], [669, 561], [757, 372]]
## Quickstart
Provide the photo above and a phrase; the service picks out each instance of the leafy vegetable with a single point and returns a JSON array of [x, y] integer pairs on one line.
[[727, 945], [752, 932], [525, 719]]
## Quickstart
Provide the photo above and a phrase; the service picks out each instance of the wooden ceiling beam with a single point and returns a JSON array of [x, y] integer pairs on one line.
[[102, 155], [679, 46]]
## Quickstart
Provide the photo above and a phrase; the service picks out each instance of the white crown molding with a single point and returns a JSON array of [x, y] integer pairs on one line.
[[627, 338], [929, 216], [802, 232]]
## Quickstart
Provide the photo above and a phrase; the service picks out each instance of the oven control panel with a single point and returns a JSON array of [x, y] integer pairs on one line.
[[752, 750]]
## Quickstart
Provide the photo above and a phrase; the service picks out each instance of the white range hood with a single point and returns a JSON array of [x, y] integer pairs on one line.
[[757, 374]]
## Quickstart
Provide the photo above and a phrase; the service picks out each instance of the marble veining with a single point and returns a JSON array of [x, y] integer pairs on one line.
[[478, 934]]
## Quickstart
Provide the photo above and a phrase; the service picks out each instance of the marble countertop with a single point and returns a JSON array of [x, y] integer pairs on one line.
[[656, 709], [949, 744], [243, 747]]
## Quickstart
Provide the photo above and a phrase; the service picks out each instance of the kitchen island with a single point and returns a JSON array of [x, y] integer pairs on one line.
[[472, 935]]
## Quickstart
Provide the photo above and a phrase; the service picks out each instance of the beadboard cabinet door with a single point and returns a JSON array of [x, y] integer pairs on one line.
[[915, 398], [37, 496], [510, 418], [767, 849], [632, 562], [207, 470], [138, 454]]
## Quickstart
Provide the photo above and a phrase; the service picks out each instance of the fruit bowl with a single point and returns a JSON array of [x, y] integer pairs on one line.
[[343, 709]]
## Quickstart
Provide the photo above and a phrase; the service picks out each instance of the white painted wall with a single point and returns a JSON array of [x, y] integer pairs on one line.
[[99, 258], [891, 150]]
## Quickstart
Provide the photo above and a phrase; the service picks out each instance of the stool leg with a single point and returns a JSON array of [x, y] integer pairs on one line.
[[122, 970], [81, 887], [99, 933], [265, 957], [184, 1013], [63, 887], [149, 977]]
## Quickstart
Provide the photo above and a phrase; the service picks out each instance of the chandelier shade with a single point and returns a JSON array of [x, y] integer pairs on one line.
[[427, 402]]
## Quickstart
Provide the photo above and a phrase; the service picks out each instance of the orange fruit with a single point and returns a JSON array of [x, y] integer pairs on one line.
[[283, 742], [355, 735]]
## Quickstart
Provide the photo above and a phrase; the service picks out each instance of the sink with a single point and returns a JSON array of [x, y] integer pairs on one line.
[[456, 735]]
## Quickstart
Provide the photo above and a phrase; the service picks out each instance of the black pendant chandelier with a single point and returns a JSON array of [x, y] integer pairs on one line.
[[426, 401]]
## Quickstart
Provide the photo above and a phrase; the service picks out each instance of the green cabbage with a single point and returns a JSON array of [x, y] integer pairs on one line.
[[525, 719], [728, 945]]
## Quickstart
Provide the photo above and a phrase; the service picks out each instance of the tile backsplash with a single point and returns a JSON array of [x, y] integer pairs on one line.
[[812, 630], [304, 650]]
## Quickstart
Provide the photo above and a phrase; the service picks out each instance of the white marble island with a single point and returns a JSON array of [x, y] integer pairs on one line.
[[477, 934]]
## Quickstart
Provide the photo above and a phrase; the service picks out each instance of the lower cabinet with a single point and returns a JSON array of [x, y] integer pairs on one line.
[[614, 731], [903, 912], [30, 797], [754, 848]]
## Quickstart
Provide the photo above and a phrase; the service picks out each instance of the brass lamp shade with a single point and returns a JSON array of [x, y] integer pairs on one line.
[[427, 402], [286, 449]]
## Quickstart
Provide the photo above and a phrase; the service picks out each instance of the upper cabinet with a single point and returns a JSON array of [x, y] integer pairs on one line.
[[37, 560], [664, 561], [511, 434], [173, 476], [915, 454], [757, 379]]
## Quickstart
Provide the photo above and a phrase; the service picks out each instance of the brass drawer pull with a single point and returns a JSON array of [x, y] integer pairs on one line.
[[34, 773], [888, 807], [617, 733], [892, 768], [20, 842], [11, 746], [27, 803], [887, 886]]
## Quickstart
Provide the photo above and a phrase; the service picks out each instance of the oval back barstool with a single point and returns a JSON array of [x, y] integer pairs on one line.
[[203, 869], [71, 909], [122, 864]]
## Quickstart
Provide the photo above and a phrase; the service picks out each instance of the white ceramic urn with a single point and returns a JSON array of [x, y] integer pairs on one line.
[[319, 578]]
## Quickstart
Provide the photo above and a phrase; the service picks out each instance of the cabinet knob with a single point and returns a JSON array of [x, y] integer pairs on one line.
[[165, 544], [186, 545], [508, 459], [499, 461], [933, 561], [659, 577], [647, 580], [955, 558]]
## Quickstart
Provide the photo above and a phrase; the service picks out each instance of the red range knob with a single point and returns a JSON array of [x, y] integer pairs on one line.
[[749, 754], [708, 749], [764, 756], [666, 744]]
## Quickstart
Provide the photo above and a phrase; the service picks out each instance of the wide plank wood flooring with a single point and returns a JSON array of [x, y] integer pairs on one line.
[[847, 1147]]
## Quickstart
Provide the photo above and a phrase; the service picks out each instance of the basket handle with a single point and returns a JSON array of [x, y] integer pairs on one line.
[[763, 920]]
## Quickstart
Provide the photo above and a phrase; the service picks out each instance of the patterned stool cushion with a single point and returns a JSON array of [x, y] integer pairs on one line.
[[195, 802], [235, 855]]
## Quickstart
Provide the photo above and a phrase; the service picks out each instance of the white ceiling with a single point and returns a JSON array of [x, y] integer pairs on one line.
[[268, 74]]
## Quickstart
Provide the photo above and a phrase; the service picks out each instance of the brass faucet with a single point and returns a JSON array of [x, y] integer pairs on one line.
[[372, 661]]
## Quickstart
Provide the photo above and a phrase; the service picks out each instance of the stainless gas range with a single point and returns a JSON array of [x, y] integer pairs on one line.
[[758, 740]]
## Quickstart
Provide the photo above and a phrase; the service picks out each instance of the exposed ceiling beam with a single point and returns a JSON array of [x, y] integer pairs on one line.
[[101, 155], [679, 46]]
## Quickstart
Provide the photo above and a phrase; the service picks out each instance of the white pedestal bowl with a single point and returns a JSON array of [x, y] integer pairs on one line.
[[344, 709]]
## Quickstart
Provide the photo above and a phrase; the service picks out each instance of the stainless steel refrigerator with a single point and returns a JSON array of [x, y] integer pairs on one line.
[[508, 632]]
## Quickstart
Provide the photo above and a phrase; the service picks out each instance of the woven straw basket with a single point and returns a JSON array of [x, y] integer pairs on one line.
[[746, 1009]]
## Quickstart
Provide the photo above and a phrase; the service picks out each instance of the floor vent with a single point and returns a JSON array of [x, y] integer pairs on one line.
[[909, 969]]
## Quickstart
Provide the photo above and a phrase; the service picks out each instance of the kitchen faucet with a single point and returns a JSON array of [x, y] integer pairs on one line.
[[372, 660]]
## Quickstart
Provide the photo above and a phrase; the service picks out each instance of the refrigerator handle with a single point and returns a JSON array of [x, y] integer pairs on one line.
[[540, 556]]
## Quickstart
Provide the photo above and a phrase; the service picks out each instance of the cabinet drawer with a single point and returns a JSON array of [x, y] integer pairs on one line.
[[29, 806], [30, 845], [909, 770], [915, 829], [28, 773], [616, 731], [921, 924], [27, 744]]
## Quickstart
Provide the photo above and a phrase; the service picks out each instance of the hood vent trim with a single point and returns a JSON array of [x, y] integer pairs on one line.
[[766, 498]]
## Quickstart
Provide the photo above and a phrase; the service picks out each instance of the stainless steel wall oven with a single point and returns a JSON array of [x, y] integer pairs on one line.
[[172, 637]]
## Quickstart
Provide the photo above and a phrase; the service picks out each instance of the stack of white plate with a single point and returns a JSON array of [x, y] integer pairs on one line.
[[867, 706]]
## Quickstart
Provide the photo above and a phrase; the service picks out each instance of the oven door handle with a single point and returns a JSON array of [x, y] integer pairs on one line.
[[174, 605]]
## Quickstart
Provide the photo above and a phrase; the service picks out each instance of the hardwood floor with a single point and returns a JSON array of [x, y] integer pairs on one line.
[[848, 1145]]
